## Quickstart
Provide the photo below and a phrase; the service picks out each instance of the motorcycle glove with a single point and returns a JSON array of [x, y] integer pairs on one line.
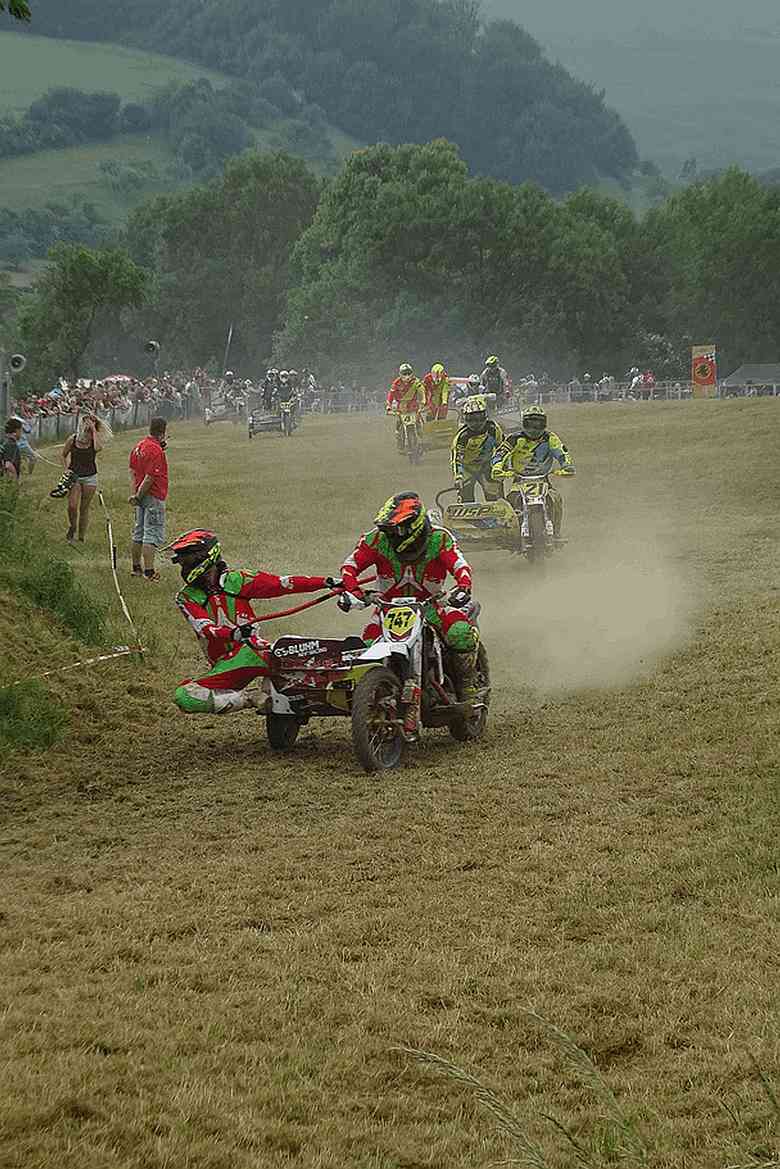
[[243, 633], [333, 582], [348, 601], [460, 598]]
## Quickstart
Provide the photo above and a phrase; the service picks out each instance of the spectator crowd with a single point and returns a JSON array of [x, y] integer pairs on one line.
[[173, 395]]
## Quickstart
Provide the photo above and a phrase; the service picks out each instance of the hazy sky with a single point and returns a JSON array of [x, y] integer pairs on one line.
[[561, 19]]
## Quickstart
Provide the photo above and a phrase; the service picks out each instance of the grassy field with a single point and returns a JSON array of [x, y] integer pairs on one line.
[[210, 956], [30, 65], [56, 175]]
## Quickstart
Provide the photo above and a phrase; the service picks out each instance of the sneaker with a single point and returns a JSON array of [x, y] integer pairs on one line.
[[136, 570], [152, 576], [256, 700], [71, 536]]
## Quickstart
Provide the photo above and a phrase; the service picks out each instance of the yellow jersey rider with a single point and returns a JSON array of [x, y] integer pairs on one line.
[[473, 450], [534, 443]]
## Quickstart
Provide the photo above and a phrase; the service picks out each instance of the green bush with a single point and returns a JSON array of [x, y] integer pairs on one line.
[[29, 717]]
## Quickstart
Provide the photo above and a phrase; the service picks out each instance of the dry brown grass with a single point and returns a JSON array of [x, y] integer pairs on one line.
[[210, 956]]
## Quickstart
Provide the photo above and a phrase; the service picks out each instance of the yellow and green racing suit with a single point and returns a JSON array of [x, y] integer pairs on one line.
[[471, 459], [518, 451]]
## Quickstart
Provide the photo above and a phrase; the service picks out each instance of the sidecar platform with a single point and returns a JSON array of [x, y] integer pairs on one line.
[[315, 653]]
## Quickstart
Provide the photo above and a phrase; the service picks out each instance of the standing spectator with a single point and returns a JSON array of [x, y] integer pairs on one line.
[[25, 447], [149, 486], [574, 389], [79, 455], [10, 457]]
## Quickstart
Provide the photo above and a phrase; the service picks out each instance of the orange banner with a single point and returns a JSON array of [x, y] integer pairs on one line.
[[704, 370]]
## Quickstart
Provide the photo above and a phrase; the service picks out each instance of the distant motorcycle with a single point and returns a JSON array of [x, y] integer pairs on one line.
[[409, 436], [521, 523]]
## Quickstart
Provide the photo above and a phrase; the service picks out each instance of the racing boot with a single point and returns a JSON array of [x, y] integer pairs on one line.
[[464, 675]]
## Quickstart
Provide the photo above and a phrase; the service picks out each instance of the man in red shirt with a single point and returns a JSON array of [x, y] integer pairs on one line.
[[149, 488]]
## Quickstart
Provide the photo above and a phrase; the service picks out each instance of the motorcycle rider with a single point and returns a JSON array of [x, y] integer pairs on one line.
[[534, 444], [473, 449], [459, 393], [406, 396], [295, 380], [495, 380], [270, 388], [216, 601], [285, 387], [437, 392], [413, 559]]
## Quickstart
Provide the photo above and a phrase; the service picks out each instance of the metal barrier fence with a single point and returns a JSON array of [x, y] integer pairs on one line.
[[623, 392], [52, 428]]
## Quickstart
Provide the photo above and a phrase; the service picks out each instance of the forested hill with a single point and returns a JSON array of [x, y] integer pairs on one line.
[[388, 70]]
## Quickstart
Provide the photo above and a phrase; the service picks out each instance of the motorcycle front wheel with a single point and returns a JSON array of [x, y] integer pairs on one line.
[[376, 732], [538, 535]]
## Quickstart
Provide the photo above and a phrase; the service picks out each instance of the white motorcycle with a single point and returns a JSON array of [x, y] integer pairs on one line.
[[412, 685]]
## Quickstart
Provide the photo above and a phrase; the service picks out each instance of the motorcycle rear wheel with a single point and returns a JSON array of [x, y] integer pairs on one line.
[[377, 740], [282, 731]]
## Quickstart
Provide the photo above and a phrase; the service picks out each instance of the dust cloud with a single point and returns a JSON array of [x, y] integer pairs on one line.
[[597, 615]]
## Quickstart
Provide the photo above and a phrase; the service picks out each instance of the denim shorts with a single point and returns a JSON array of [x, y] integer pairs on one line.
[[86, 480], [149, 525]]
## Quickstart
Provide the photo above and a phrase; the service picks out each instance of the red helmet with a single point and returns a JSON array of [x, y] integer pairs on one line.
[[404, 520], [196, 551]]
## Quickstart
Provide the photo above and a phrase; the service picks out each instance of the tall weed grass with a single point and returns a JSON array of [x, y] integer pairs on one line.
[[611, 1138], [29, 717], [34, 573]]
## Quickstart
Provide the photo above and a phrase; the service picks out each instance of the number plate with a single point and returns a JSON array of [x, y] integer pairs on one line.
[[400, 622]]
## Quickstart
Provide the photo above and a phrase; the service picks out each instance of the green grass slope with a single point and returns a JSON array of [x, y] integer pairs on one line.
[[211, 954], [59, 175], [30, 65]]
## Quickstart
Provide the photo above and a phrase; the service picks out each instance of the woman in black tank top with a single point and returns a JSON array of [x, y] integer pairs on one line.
[[79, 455]]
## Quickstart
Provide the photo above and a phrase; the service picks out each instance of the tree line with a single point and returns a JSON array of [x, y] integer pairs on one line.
[[67, 117], [202, 125], [29, 234], [406, 254], [389, 70]]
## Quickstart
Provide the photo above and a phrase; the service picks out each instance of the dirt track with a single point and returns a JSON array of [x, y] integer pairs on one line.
[[209, 953]]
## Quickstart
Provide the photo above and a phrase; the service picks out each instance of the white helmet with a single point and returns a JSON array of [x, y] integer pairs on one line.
[[475, 379], [474, 412]]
